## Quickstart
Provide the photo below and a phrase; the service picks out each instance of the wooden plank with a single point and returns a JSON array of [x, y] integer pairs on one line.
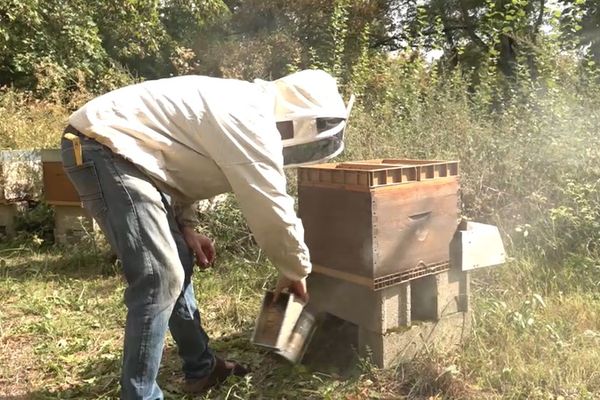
[[344, 276]]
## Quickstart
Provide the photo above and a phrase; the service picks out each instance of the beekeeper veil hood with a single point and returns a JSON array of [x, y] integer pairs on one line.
[[311, 117]]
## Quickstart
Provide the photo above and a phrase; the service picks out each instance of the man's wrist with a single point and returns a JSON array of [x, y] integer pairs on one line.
[[188, 229]]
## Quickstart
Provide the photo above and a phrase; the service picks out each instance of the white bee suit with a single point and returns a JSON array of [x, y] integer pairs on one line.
[[198, 136]]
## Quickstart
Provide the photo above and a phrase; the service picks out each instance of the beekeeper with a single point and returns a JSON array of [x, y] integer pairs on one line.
[[140, 156]]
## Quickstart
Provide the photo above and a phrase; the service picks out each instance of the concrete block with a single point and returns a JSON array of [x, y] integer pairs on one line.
[[212, 203], [436, 296], [377, 311], [396, 302], [425, 299], [464, 295], [394, 324], [402, 345], [71, 224], [8, 211]]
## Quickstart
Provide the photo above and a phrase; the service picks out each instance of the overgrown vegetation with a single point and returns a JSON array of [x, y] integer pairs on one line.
[[514, 95]]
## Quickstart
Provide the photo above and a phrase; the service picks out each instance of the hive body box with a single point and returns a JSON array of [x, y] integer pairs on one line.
[[58, 189], [379, 222], [71, 221]]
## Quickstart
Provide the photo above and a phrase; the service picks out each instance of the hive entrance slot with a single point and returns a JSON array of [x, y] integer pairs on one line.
[[420, 216]]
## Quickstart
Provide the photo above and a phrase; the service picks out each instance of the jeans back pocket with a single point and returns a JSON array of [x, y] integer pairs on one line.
[[86, 182]]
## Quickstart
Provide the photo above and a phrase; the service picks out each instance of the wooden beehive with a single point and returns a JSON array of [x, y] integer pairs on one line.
[[58, 189], [379, 222]]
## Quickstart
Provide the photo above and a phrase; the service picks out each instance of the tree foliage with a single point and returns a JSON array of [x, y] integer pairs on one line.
[[54, 44], [580, 26], [60, 45], [514, 93]]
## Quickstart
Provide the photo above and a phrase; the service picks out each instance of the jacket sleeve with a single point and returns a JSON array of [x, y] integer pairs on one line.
[[260, 188], [240, 135]]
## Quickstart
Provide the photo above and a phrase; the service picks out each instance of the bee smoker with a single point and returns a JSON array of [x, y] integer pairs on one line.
[[299, 339], [285, 326]]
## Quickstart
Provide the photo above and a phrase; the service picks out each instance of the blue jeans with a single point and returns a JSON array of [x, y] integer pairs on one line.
[[138, 222]]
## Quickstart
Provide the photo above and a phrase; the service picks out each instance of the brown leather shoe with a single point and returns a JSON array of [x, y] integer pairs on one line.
[[223, 369]]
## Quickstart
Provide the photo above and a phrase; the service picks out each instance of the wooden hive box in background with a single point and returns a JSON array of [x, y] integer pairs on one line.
[[71, 221], [58, 189], [379, 222]]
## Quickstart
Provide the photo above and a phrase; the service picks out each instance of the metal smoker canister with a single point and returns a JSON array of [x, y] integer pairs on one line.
[[276, 320], [299, 339]]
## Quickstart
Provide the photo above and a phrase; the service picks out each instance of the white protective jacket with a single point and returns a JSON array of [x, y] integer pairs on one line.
[[198, 136]]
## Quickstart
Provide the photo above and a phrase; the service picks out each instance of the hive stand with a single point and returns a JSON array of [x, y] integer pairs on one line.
[[8, 211], [71, 223], [378, 232], [71, 220], [395, 323]]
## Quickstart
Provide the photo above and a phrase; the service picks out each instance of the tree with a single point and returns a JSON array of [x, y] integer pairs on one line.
[[269, 38], [59, 45], [470, 31], [580, 26]]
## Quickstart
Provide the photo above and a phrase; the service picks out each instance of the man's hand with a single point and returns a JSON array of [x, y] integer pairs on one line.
[[298, 288], [202, 246]]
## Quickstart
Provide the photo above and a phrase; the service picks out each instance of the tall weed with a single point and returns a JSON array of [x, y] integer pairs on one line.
[[28, 123], [529, 160]]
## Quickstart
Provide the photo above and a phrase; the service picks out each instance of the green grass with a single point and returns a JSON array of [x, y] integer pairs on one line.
[[61, 327], [28, 123], [529, 163], [532, 343]]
